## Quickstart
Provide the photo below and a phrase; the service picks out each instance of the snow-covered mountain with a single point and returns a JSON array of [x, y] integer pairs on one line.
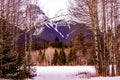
[[64, 30], [45, 29]]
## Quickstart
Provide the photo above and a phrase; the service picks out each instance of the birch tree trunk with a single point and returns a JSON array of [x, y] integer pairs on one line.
[[115, 42], [105, 62], [93, 9], [88, 9]]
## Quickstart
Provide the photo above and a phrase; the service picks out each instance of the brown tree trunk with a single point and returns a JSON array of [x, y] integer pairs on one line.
[[1, 33]]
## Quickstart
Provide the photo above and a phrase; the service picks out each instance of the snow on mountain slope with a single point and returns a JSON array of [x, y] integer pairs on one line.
[[64, 30], [61, 27], [55, 27], [38, 31]]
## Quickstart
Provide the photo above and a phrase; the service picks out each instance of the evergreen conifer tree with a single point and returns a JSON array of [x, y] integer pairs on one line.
[[8, 59], [55, 58], [41, 56], [71, 57], [62, 57], [10, 63]]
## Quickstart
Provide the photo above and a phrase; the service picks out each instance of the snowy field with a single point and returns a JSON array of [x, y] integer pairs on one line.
[[68, 73]]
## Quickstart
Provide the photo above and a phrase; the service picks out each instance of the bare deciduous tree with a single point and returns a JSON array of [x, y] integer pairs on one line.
[[103, 16]]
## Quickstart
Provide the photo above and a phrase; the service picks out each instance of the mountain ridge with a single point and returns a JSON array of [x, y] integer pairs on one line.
[[64, 30]]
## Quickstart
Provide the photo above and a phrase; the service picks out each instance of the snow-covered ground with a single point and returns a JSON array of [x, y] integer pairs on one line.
[[68, 73]]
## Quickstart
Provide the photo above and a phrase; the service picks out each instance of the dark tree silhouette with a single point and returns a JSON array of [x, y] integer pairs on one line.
[[55, 58], [62, 57]]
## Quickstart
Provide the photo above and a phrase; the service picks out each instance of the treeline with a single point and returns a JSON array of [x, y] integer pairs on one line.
[[43, 45], [79, 52]]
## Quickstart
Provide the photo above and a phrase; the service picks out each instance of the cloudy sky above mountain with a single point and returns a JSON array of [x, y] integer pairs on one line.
[[53, 7]]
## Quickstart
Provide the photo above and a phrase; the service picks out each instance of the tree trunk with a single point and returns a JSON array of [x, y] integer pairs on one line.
[[93, 9], [1, 35]]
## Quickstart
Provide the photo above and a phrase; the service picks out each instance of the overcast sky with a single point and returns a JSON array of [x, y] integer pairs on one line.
[[52, 7]]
